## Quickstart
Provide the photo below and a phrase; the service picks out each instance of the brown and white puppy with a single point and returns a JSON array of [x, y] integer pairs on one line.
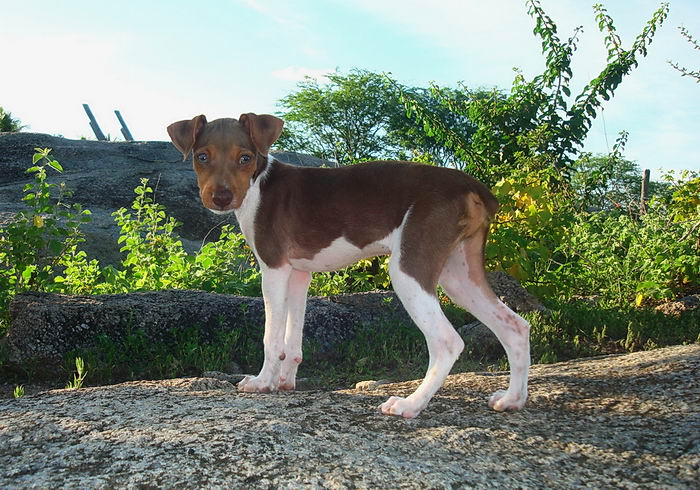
[[432, 221]]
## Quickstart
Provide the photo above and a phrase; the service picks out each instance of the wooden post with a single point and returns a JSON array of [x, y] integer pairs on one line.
[[645, 192], [93, 124], [125, 130]]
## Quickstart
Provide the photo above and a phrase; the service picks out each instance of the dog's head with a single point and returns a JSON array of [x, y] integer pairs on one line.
[[227, 154]]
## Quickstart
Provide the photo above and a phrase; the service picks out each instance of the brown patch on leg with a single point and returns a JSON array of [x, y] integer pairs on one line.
[[430, 232]]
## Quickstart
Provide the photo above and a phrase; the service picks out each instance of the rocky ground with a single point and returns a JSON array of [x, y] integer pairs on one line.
[[625, 421]]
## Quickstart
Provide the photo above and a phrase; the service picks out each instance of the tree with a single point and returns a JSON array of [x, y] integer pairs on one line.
[[685, 72], [342, 121], [604, 183], [537, 125], [8, 123], [358, 117]]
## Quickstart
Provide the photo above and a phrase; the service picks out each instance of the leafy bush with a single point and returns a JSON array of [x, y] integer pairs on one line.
[[684, 203], [154, 258], [358, 116], [529, 224], [365, 275], [9, 123], [623, 258], [539, 123], [38, 240]]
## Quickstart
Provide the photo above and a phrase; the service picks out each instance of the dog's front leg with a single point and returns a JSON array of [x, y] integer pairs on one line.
[[274, 285]]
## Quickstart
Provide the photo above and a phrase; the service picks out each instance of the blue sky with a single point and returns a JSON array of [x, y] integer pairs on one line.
[[162, 61]]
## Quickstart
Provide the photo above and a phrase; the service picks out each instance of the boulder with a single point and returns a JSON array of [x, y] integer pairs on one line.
[[680, 306], [624, 421], [48, 326], [479, 338]]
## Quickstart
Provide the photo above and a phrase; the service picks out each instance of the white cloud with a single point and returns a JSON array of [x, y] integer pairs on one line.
[[298, 73]]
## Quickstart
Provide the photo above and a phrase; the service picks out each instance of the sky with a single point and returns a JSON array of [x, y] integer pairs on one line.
[[163, 61]]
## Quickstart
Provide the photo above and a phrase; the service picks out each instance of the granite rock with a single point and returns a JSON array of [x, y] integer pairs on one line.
[[625, 421]]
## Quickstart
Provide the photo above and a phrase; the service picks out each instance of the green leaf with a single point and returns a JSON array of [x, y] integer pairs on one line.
[[55, 165], [27, 272], [55, 246], [36, 158]]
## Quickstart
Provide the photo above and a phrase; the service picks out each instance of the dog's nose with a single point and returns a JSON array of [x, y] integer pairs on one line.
[[222, 197]]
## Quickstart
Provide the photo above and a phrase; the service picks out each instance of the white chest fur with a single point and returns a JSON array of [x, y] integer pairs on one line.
[[246, 212]]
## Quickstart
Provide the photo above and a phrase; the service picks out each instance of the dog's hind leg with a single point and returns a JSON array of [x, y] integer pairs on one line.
[[297, 288], [444, 344], [464, 280]]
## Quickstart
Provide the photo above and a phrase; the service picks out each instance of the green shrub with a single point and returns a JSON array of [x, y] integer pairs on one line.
[[154, 258], [9, 123], [365, 275], [38, 240], [624, 259]]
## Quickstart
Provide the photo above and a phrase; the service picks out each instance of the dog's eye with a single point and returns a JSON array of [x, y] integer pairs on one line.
[[202, 157], [245, 159]]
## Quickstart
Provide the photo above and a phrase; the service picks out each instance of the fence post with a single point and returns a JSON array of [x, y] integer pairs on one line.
[[93, 124], [125, 130], [645, 192]]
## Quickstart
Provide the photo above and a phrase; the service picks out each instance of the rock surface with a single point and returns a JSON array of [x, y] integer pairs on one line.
[[103, 175], [626, 421], [47, 326], [680, 306]]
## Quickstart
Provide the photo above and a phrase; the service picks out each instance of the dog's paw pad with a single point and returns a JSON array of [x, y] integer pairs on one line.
[[502, 401], [286, 385], [401, 407]]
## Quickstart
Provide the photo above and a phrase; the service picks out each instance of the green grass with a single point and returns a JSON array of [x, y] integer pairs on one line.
[[187, 352], [392, 351], [574, 330]]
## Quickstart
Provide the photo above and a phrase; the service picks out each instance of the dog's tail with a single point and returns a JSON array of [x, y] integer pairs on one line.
[[479, 210]]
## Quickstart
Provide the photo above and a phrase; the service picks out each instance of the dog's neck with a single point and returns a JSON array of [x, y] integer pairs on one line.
[[263, 164], [246, 212]]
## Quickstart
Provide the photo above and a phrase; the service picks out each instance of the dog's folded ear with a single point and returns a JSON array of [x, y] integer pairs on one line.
[[184, 134], [263, 129]]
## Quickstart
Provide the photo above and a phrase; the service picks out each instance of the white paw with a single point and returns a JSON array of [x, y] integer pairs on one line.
[[287, 384], [257, 384], [502, 401], [288, 374], [401, 407]]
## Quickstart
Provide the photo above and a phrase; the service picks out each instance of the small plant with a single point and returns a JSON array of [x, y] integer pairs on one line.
[[78, 378], [19, 391], [155, 258], [35, 242]]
